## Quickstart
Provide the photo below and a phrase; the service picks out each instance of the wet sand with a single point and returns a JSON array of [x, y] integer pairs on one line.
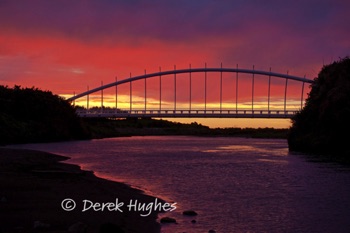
[[33, 185]]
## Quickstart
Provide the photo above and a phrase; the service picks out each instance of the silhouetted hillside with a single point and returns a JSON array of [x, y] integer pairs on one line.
[[32, 115], [323, 125]]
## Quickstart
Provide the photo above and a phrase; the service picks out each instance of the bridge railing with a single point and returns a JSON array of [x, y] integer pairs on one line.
[[208, 113]]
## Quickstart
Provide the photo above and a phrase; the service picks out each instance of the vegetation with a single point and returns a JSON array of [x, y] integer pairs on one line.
[[101, 128], [323, 125], [31, 115]]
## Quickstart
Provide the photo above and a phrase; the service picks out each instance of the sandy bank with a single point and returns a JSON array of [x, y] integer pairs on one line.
[[33, 185]]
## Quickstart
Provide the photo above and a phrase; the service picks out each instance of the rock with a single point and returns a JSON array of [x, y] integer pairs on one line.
[[110, 228], [211, 231], [78, 227], [167, 220], [193, 221], [17, 229], [41, 226], [189, 213]]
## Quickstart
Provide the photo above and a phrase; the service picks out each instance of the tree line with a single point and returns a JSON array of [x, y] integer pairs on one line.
[[323, 125], [32, 115]]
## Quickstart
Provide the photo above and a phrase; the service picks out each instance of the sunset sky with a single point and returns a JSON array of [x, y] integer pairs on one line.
[[64, 46]]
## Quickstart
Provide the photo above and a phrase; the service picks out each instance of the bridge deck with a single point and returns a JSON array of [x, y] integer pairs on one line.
[[187, 113]]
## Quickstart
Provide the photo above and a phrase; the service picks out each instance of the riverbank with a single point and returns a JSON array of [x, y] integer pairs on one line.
[[106, 128], [34, 184]]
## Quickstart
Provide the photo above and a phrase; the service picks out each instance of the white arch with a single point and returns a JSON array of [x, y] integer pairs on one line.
[[195, 70]]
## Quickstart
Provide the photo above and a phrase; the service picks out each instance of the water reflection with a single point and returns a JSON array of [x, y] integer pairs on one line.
[[235, 184]]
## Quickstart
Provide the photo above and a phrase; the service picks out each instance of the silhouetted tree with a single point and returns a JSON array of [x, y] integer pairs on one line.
[[323, 125], [32, 115]]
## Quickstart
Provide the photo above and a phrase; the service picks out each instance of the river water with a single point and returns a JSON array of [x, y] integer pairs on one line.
[[234, 184]]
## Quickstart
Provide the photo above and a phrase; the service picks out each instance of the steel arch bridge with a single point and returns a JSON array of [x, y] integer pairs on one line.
[[190, 112]]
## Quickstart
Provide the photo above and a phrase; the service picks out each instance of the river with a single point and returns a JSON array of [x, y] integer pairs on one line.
[[234, 184]]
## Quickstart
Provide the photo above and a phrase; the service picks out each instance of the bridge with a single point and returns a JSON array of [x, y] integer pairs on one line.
[[234, 110]]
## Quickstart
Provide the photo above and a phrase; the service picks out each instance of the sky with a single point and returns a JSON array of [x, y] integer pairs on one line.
[[67, 46]]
